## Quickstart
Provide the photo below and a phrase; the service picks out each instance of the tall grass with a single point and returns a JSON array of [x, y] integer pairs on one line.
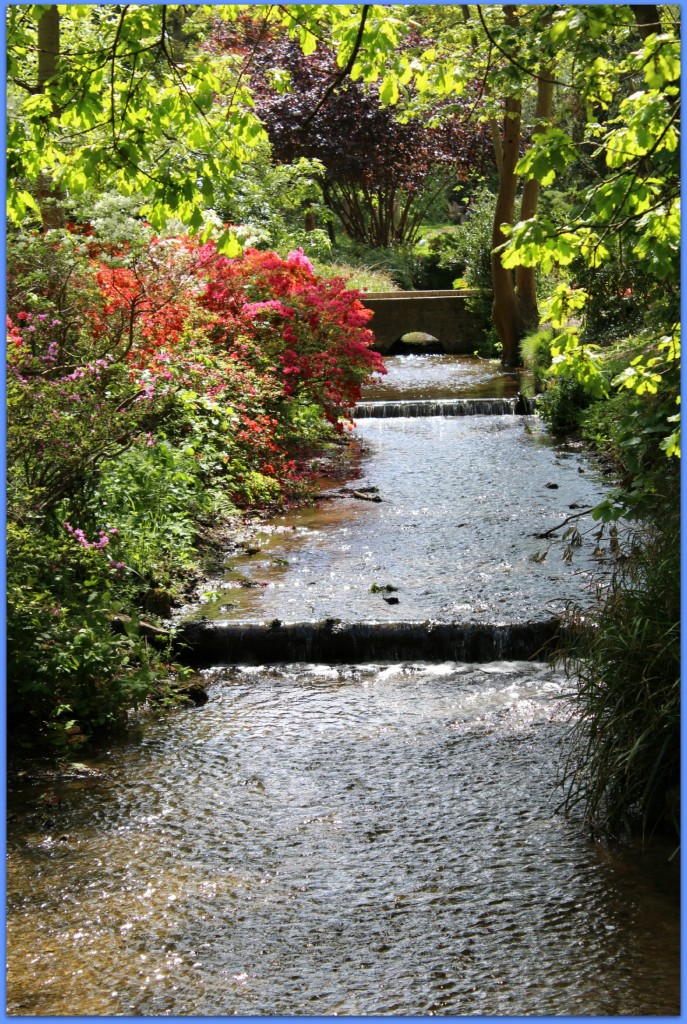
[[624, 765]]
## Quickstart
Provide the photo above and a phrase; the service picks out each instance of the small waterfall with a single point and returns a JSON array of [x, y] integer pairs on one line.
[[445, 407], [335, 642]]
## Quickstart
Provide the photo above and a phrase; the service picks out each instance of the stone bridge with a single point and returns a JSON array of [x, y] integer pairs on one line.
[[441, 314]]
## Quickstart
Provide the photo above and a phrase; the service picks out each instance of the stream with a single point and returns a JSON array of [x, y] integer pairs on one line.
[[373, 837]]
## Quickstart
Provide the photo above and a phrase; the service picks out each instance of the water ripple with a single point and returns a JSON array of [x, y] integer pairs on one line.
[[364, 840]]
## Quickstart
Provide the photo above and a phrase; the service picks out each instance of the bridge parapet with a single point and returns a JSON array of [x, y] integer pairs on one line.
[[441, 314]]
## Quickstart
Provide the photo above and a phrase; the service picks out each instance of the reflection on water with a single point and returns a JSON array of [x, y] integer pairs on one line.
[[354, 840], [462, 500], [445, 376]]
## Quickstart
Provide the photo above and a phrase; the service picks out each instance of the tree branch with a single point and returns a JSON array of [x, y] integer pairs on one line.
[[511, 59], [345, 70]]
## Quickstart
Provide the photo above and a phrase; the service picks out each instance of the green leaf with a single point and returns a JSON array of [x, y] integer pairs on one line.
[[229, 245], [388, 92]]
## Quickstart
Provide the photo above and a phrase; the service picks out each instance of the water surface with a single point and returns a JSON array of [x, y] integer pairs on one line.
[[454, 533], [445, 376], [353, 840], [358, 840]]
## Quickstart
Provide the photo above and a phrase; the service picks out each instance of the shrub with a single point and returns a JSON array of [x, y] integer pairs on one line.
[[535, 350], [397, 262], [363, 279], [69, 675], [473, 249], [441, 259], [562, 404], [152, 385]]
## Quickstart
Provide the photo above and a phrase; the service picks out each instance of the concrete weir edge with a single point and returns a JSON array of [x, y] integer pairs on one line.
[[333, 641]]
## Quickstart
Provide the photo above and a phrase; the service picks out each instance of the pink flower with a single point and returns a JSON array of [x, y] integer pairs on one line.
[[297, 258], [253, 308]]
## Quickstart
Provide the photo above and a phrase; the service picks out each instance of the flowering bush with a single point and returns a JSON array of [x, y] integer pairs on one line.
[[310, 332], [152, 384]]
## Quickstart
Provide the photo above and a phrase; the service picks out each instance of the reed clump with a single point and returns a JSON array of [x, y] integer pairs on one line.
[[623, 769]]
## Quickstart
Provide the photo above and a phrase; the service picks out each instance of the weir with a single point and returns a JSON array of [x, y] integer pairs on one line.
[[446, 407], [333, 642]]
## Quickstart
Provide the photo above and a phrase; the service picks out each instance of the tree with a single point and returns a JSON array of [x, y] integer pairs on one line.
[[381, 173], [98, 98], [125, 99], [515, 300], [630, 209], [48, 32], [530, 62]]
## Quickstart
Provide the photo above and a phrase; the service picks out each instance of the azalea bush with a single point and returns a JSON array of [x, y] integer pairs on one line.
[[155, 388]]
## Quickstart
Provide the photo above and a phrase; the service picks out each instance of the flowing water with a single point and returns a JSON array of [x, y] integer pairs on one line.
[[445, 376], [354, 839], [423, 537]]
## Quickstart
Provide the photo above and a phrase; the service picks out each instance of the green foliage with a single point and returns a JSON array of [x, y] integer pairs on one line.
[[472, 249], [625, 653], [122, 111], [562, 403], [157, 495], [154, 387], [630, 211], [440, 259], [535, 350], [395, 263], [271, 201], [618, 297], [624, 765], [365, 279], [65, 663]]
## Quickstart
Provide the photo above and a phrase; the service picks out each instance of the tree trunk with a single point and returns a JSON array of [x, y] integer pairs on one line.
[[647, 19], [515, 309], [505, 310], [48, 196], [525, 277]]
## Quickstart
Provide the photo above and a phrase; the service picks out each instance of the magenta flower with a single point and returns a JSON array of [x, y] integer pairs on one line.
[[297, 258]]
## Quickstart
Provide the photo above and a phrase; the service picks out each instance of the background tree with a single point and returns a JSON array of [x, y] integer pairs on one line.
[[381, 173]]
